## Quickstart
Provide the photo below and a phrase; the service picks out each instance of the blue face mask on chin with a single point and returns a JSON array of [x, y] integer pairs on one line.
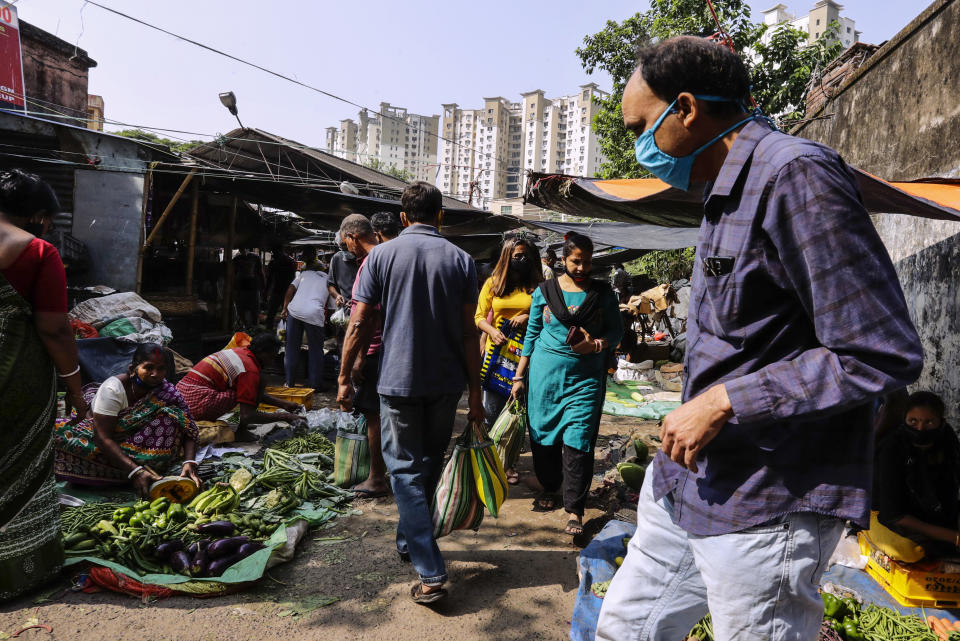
[[670, 169]]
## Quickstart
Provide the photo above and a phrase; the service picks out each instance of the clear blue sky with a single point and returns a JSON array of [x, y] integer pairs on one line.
[[407, 53]]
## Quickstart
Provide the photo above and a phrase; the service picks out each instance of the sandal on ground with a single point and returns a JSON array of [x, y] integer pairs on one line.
[[573, 527], [545, 502], [423, 598]]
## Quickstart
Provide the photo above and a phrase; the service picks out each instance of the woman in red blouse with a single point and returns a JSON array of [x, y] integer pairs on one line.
[[36, 346]]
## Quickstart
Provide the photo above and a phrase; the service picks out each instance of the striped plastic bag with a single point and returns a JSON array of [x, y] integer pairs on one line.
[[507, 433], [455, 503], [351, 458], [488, 474]]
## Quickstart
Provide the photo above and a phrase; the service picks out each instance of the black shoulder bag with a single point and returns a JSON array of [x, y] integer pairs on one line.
[[553, 294]]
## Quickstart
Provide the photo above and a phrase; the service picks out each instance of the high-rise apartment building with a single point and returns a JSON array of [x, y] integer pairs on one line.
[[486, 153], [393, 138], [815, 23]]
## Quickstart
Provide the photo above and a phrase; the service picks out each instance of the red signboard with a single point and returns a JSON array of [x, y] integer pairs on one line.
[[11, 68]]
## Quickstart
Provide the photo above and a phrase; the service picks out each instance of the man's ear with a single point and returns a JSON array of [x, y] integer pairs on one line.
[[688, 107], [403, 219]]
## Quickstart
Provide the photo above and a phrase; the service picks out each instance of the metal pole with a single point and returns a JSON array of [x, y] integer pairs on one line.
[[191, 256], [228, 257], [147, 185]]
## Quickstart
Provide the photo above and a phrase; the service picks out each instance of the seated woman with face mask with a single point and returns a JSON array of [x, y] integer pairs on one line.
[[918, 478], [137, 426]]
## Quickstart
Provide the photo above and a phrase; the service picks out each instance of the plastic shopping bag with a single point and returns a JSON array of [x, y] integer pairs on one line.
[[507, 433], [341, 317], [488, 474], [351, 459], [456, 505]]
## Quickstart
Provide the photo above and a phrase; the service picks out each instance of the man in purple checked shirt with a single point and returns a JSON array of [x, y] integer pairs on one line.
[[797, 323]]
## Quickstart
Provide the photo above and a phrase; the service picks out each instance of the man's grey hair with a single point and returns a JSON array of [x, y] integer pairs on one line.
[[356, 224]]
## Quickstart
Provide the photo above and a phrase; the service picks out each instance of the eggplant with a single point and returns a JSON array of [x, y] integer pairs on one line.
[[199, 559], [226, 547], [179, 562], [217, 528], [166, 549], [196, 545], [218, 566], [247, 549]]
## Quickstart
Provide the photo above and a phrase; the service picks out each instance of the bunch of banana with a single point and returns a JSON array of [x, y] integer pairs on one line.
[[220, 499]]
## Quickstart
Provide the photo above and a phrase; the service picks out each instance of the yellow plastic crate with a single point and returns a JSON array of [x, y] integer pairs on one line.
[[911, 584], [300, 395]]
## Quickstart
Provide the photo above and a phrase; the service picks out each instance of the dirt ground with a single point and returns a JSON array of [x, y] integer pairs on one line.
[[514, 579]]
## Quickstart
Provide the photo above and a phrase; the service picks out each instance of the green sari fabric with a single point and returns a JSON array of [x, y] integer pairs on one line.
[[30, 550]]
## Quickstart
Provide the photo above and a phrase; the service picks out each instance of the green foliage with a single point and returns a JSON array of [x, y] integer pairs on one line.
[[785, 65], [182, 146], [780, 73], [664, 266], [400, 174]]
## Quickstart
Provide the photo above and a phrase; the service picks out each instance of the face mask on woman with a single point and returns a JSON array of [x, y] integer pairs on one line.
[[921, 438], [518, 264]]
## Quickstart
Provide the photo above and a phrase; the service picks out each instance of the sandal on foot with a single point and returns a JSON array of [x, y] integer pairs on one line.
[[573, 527], [424, 598], [513, 478], [550, 499]]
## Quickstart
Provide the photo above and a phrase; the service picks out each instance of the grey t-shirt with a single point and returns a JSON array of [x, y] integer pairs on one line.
[[343, 272], [422, 281]]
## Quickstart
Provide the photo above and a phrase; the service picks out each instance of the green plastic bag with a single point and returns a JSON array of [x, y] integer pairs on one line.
[[351, 461], [507, 433]]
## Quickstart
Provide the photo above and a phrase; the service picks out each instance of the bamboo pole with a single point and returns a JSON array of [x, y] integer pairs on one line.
[[169, 208], [192, 247], [228, 257]]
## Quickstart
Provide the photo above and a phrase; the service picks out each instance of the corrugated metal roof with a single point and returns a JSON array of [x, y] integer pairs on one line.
[[262, 152]]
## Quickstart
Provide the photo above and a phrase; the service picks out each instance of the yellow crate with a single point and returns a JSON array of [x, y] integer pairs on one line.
[[911, 584], [300, 395]]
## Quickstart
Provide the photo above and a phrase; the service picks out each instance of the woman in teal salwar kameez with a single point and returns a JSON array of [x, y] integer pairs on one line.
[[564, 370]]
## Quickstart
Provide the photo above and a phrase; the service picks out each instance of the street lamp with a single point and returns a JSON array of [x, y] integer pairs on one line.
[[229, 101]]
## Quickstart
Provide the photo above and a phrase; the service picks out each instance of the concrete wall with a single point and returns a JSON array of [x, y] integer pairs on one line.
[[55, 75], [899, 118], [107, 218]]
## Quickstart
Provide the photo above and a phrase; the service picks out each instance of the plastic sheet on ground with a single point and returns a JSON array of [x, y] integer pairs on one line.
[[596, 565], [626, 405], [279, 549]]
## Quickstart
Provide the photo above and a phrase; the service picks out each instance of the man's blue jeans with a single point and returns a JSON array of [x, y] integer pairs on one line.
[[415, 432], [295, 331]]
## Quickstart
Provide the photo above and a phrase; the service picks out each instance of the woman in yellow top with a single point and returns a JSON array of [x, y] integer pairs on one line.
[[507, 292]]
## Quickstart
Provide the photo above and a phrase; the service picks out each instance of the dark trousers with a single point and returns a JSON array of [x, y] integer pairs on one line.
[[561, 466], [274, 303]]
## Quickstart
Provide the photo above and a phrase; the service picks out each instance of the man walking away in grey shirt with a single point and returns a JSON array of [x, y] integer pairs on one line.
[[427, 288]]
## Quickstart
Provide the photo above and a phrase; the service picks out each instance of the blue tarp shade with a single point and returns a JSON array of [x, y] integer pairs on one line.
[[627, 235]]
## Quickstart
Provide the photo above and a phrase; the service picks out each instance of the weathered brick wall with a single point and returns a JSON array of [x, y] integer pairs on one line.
[[899, 118]]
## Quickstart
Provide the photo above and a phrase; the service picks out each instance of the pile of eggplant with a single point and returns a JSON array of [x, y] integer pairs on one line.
[[210, 556]]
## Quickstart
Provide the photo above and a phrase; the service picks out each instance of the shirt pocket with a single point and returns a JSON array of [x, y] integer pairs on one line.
[[720, 309]]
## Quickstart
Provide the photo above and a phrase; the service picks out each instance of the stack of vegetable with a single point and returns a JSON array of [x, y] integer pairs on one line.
[[844, 620], [944, 629], [155, 537], [287, 481], [305, 444], [632, 471]]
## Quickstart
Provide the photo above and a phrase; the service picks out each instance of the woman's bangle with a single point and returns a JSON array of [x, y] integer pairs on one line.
[[76, 371], [957, 542], [134, 471], [190, 461], [518, 379]]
